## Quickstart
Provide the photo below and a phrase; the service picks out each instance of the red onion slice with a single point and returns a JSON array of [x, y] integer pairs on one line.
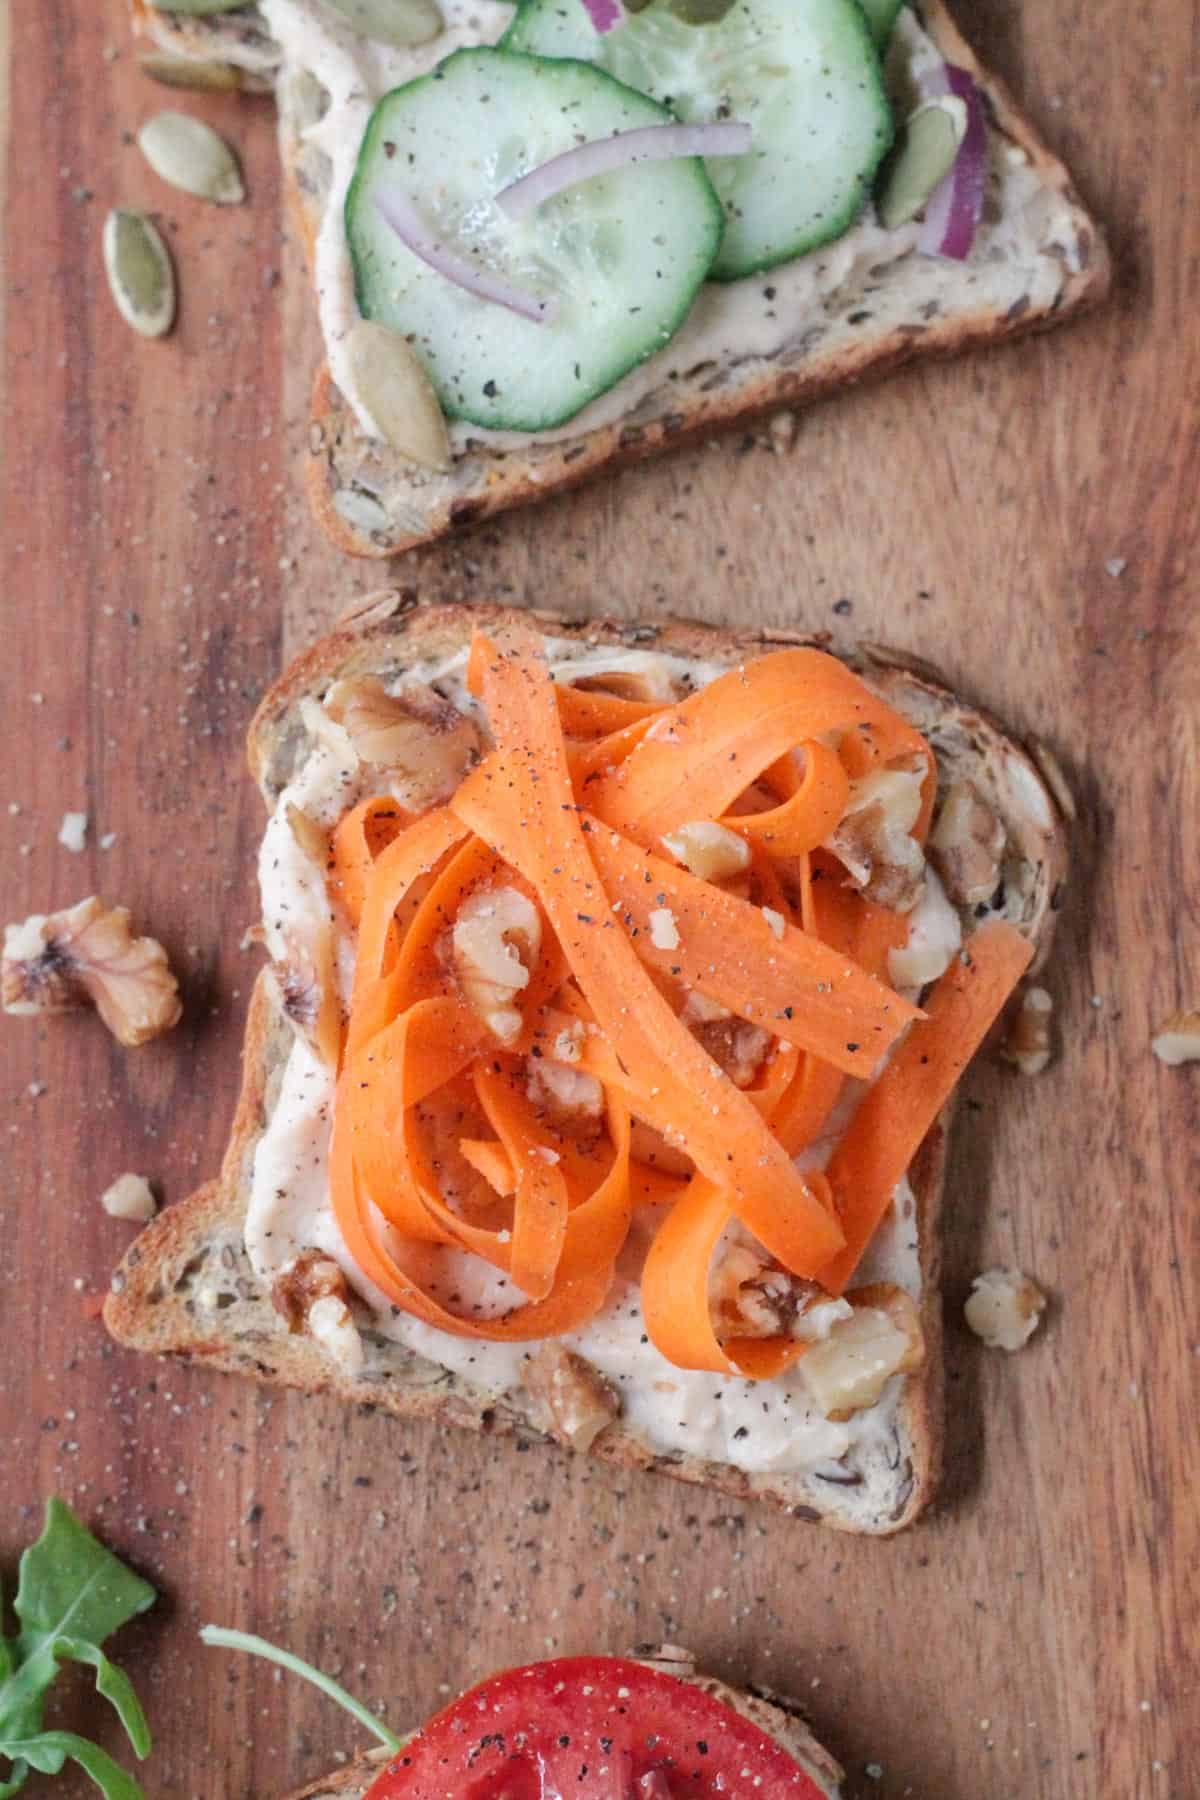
[[650, 143], [399, 212], [604, 14], [954, 209]]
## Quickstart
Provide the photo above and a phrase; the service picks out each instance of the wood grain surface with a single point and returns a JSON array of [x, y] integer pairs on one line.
[[1028, 520]]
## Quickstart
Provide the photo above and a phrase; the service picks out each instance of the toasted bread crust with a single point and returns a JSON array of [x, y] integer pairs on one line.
[[487, 480], [152, 1305]]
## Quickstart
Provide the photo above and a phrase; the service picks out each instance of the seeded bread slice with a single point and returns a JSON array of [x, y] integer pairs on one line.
[[1032, 266], [778, 1717], [186, 1287]]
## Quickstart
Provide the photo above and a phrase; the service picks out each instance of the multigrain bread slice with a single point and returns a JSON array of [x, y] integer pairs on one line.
[[1039, 258], [187, 1287], [779, 1717]]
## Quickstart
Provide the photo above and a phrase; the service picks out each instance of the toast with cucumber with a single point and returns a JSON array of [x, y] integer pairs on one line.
[[556, 238], [596, 1092]]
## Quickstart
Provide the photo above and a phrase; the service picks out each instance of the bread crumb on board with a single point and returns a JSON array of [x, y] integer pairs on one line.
[[1177, 1040], [130, 1197]]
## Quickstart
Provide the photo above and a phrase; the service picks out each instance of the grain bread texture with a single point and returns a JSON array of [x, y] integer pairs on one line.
[[779, 1717], [1025, 274], [195, 1248]]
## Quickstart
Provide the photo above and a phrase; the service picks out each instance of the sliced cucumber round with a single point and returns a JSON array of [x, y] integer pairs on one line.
[[804, 74], [619, 259], [881, 17]]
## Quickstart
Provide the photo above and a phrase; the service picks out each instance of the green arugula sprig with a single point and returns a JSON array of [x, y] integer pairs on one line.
[[72, 1594], [223, 1637]]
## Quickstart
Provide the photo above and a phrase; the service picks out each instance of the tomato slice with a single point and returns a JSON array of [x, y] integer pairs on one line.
[[591, 1728]]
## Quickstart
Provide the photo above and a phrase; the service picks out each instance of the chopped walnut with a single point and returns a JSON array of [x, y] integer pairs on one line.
[[87, 956], [422, 741], [581, 1403], [308, 995], [130, 1197], [1027, 1044], [307, 1278], [753, 1297], [1003, 1308], [1178, 1041], [312, 838], [874, 841], [569, 1099], [494, 943], [709, 850], [849, 1370], [735, 1046], [651, 681], [966, 845]]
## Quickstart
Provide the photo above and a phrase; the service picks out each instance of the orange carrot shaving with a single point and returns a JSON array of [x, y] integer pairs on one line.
[[778, 977], [591, 713], [698, 757], [807, 817], [489, 1158], [360, 837], [675, 1293], [895, 1114], [520, 802]]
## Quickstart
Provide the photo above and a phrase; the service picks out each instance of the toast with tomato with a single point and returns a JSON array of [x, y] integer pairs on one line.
[[621, 980], [886, 201], [645, 1728]]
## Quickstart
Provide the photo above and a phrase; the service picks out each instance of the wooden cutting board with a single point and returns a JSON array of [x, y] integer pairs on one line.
[[1026, 519]]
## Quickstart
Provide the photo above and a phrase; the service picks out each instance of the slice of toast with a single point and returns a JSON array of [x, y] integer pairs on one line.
[[1038, 258], [772, 1713], [187, 1287]]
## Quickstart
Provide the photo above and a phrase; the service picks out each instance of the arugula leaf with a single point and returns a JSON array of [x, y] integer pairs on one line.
[[51, 1749], [72, 1594]]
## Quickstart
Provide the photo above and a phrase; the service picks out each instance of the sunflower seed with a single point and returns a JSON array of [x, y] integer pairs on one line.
[[393, 386], [189, 154], [396, 22], [201, 8], [139, 272], [189, 72], [359, 510]]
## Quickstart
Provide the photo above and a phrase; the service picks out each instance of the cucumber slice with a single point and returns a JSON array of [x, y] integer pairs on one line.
[[804, 73], [623, 255], [881, 17]]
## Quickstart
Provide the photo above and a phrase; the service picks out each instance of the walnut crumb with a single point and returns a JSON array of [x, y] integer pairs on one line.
[[1003, 1308]]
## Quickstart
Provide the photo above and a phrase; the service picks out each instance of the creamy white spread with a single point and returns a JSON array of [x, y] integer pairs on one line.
[[738, 322], [755, 1426]]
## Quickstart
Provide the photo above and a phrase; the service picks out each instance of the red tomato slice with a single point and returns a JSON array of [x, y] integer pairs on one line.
[[591, 1728]]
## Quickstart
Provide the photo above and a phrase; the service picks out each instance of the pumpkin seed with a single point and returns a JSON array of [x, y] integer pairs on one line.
[[396, 22], [360, 510], [199, 8], [701, 12], [140, 275], [393, 386], [189, 154], [189, 72], [924, 157]]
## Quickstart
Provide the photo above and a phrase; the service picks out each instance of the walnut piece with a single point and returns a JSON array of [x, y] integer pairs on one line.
[[1178, 1040], [581, 1403], [709, 850], [874, 841], [494, 944], [423, 742], [750, 1296], [311, 1295], [130, 1197], [736, 1047], [1027, 1043], [308, 1278], [1003, 1308], [966, 845], [87, 956], [849, 1370]]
